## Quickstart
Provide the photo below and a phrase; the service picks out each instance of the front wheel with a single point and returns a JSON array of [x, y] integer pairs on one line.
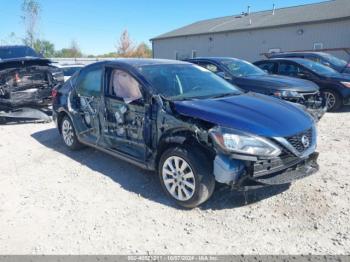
[[333, 100], [186, 176]]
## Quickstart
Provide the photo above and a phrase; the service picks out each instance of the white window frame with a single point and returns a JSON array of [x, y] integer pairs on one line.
[[318, 46], [274, 50]]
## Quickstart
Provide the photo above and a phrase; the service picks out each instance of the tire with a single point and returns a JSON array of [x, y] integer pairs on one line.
[[335, 100], [191, 182], [68, 134]]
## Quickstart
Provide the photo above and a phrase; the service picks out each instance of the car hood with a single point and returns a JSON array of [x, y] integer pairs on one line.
[[340, 77], [23, 61], [278, 82], [254, 113]]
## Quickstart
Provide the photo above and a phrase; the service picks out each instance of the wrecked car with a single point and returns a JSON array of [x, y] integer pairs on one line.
[[249, 77], [334, 86], [26, 82], [186, 123]]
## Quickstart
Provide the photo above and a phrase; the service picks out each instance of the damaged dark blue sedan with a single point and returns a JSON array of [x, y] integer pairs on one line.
[[186, 123]]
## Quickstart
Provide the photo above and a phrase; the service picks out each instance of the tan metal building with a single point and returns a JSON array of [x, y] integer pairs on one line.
[[324, 25]]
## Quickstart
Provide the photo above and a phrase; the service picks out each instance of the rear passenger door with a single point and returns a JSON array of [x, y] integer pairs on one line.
[[86, 104]]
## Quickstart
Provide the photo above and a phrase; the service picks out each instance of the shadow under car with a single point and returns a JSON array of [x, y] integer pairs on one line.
[[146, 183]]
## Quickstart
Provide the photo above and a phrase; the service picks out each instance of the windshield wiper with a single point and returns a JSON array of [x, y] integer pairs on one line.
[[224, 95]]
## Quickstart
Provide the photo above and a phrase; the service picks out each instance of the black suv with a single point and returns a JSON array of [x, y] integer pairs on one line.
[[251, 78], [326, 59], [333, 85], [186, 123]]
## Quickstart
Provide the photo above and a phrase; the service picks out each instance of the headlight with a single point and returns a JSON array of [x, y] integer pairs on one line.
[[293, 94], [346, 84], [239, 142]]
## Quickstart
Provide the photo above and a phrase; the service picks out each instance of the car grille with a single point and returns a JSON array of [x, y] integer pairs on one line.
[[297, 140]]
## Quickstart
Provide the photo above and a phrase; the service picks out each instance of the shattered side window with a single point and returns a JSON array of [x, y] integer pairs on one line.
[[90, 82], [124, 86]]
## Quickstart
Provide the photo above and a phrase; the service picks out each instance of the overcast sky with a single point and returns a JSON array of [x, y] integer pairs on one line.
[[97, 24]]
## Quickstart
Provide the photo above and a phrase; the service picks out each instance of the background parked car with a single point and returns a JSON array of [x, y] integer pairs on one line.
[[188, 124], [326, 59], [69, 69], [16, 51], [251, 78], [26, 81], [334, 85]]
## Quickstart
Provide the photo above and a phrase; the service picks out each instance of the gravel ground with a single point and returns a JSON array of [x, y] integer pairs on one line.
[[53, 201]]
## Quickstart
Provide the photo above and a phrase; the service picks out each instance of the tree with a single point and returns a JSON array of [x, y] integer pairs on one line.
[[31, 11], [125, 47], [143, 50], [46, 48], [72, 51]]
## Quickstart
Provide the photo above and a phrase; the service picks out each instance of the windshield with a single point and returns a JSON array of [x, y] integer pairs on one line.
[[335, 60], [240, 68], [317, 68], [181, 82], [16, 52]]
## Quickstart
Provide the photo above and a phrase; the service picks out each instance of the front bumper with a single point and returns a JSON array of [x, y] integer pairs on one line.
[[317, 114], [303, 168]]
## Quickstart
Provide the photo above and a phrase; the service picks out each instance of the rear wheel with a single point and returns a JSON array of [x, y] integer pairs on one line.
[[333, 100], [68, 134], [186, 176]]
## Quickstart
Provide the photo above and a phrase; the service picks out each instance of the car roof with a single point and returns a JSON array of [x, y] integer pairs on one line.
[[136, 62], [292, 59], [298, 53], [13, 46], [68, 65], [215, 58]]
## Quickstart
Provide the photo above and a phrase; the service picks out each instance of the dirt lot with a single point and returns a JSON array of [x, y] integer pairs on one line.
[[54, 201]]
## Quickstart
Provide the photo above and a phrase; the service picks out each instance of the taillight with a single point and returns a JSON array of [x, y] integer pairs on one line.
[[54, 93], [17, 78]]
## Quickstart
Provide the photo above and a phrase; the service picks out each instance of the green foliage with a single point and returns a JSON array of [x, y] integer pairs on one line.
[[72, 51], [46, 48]]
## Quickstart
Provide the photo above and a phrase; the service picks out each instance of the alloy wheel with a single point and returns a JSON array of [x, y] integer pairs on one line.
[[67, 133], [178, 178], [330, 99]]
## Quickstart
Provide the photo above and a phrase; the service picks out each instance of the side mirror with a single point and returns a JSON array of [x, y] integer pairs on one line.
[[224, 76]]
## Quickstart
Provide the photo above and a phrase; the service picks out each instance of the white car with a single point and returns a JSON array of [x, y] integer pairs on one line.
[[69, 69]]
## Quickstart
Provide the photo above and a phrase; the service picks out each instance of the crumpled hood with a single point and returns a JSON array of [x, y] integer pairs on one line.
[[278, 82], [254, 113], [23, 61]]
